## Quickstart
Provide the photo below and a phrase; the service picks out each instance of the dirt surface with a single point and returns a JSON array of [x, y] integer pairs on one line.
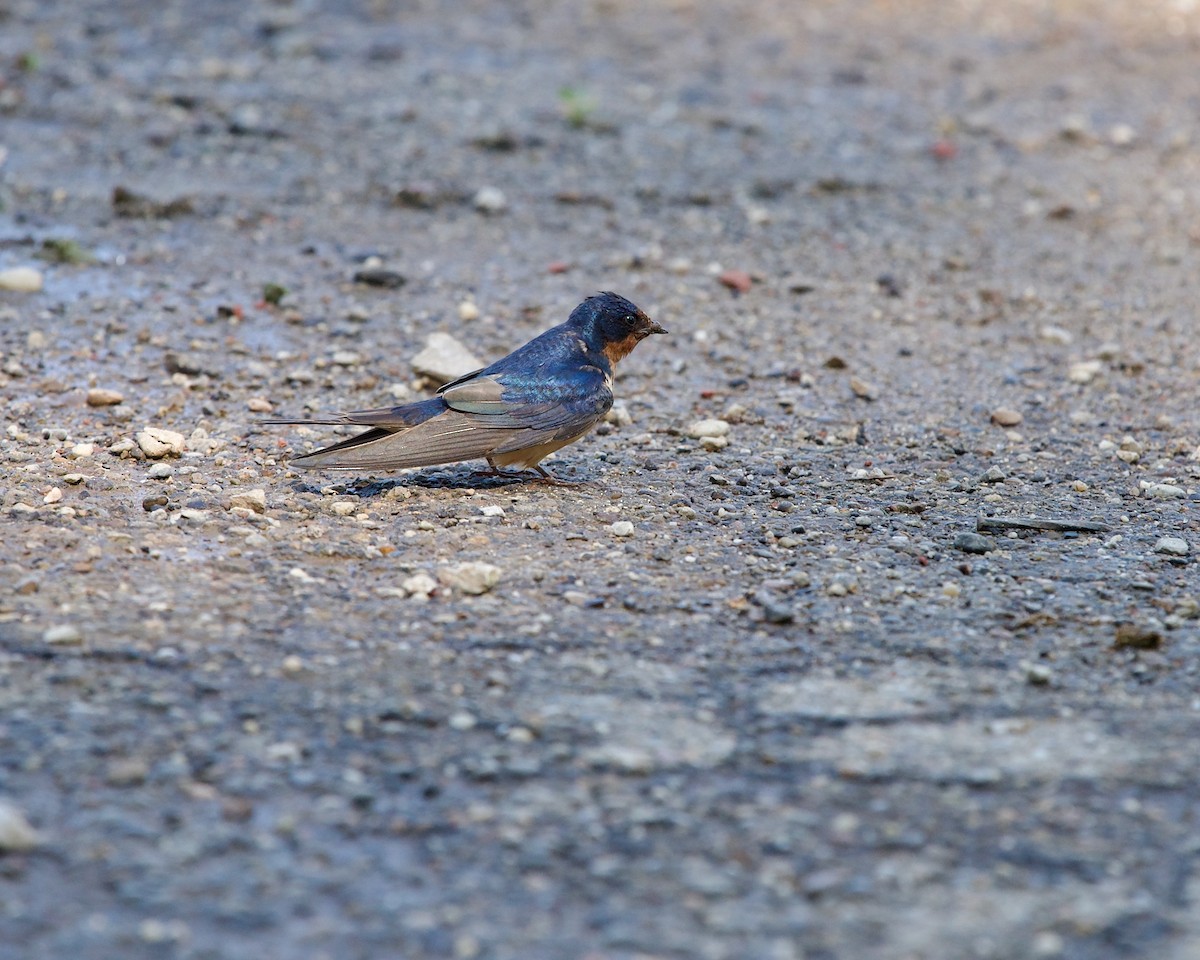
[[757, 695]]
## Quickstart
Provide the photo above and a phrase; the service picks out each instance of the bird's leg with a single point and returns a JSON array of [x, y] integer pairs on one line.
[[551, 480]]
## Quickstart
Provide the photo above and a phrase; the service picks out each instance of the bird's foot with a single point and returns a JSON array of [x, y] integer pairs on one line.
[[552, 481]]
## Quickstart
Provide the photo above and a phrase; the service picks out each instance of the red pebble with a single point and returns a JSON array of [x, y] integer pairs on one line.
[[738, 280]]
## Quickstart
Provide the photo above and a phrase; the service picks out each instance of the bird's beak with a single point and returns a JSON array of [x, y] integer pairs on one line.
[[653, 327]]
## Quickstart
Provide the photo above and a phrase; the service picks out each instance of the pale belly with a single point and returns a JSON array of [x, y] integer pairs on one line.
[[529, 458]]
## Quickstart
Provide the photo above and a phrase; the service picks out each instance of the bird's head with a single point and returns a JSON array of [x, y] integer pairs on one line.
[[611, 324]]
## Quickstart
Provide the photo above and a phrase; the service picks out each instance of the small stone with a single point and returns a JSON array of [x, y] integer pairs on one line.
[[1173, 546], [445, 358], [379, 277], [993, 475], [81, 451], [1004, 417], [419, 585], [490, 200], [16, 835], [1079, 486], [21, 279], [707, 428], [951, 590], [99, 397], [74, 479], [260, 405], [160, 471], [1129, 456], [1138, 636], [714, 443], [1038, 674], [63, 635], [1164, 491], [619, 415], [1084, 371], [1056, 335], [492, 510], [837, 589], [471, 577], [53, 495], [254, 500], [974, 543], [346, 358], [343, 508], [468, 311], [622, 528], [461, 721], [292, 665], [157, 443], [863, 389], [737, 280], [127, 772]]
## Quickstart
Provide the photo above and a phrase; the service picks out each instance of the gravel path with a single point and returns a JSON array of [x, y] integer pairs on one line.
[[779, 679]]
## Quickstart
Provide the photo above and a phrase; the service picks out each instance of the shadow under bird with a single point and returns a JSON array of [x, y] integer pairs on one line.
[[513, 413]]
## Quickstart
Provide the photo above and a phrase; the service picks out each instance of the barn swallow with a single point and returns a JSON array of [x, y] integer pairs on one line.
[[513, 413]]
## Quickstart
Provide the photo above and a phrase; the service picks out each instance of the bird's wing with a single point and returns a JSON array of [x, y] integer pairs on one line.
[[486, 415], [551, 405]]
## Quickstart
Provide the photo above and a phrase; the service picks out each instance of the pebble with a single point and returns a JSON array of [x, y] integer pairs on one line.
[[714, 443], [292, 665], [619, 415], [81, 451], [461, 721], [492, 510], [74, 478], [993, 475], [343, 508], [444, 358], [490, 200], [863, 389], [622, 528], [16, 835], [53, 495], [1004, 417], [1057, 335], [419, 585], [21, 279], [974, 543], [255, 500], [1164, 491], [1138, 636], [65, 635], [157, 443], [1173, 546], [470, 577], [737, 280], [99, 397], [1084, 371], [127, 772], [1038, 674], [160, 471], [468, 311], [346, 358], [260, 405], [707, 428]]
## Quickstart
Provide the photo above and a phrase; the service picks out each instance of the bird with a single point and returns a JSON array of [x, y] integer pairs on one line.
[[512, 413]]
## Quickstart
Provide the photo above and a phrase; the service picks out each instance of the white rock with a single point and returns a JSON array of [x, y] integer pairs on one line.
[[99, 397], [53, 495], [490, 200], [343, 508], [81, 450], [419, 585], [619, 415], [157, 443], [21, 279], [1165, 491], [445, 359], [1058, 335], [707, 428], [65, 634], [16, 834], [622, 528], [347, 358], [1175, 546], [467, 310], [470, 577], [255, 500], [492, 510], [160, 471], [1085, 371]]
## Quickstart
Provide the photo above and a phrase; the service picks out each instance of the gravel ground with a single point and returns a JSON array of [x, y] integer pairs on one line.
[[775, 686]]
